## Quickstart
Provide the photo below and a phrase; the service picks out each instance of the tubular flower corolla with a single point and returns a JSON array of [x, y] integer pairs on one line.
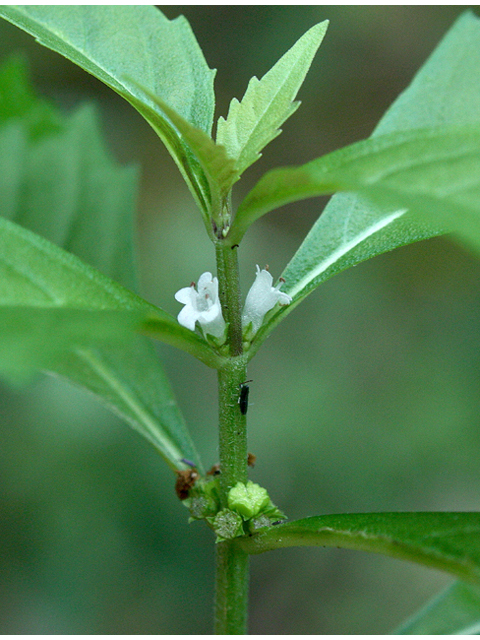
[[261, 298], [202, 306]]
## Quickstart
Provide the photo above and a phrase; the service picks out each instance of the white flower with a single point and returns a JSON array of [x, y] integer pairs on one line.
[[261, 298], [202, 307]]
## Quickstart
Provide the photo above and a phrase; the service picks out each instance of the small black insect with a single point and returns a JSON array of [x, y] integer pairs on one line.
[[243, 398]]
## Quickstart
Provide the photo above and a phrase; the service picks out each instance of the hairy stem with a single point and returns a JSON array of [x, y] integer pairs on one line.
[[229, 292], [231, 597], [232, 427], [231, 600]]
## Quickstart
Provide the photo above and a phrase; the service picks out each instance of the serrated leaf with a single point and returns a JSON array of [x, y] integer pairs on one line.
[[255, 121], [445, 92], [446, 541], [455, 611], [117, 42]]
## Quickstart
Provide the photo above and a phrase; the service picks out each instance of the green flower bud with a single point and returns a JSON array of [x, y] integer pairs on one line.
[[227, 525], [201, 507], [259, 522], [203, 500], [248, 499]]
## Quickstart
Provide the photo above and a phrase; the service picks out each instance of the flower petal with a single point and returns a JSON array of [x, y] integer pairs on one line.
[[186, 295], [283, 298], [205, 280], [261, 298], [203, 306], [187, 317]]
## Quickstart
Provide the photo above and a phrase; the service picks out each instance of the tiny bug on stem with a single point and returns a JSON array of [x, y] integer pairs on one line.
[[243, 398]]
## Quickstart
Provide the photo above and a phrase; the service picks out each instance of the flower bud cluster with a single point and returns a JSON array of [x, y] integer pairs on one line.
[[249, 509]]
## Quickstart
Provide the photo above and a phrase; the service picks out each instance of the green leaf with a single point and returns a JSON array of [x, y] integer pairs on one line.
[[64, 185], [130, 380], [35, 274], [254, 122], [438, 167], [455, 611], [118, 42], [37, 337], [431, 172], [446, 541], [66, 188], [18, 100], [417, 176], [59, 314], [218, 168], [445, 92]]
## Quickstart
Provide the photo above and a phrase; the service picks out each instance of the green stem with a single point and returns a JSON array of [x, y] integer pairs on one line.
[[229, 292], [231, 600], [231, 597], [232, 427]]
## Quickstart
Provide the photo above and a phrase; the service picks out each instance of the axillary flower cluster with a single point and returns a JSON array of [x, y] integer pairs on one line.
[[203, 305], [249, 508]]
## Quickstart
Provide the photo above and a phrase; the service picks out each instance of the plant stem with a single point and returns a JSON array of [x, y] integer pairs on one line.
[[231, 597], [232, 427], [229, 292]]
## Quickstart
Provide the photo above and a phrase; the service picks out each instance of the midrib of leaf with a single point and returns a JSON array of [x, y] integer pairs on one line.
[[158, 438], [442, 540], [455, 611], [473, 630], [28, 277], [302, 284]]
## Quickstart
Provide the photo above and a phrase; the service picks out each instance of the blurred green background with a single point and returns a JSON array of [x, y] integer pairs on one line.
[[367, 397]]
